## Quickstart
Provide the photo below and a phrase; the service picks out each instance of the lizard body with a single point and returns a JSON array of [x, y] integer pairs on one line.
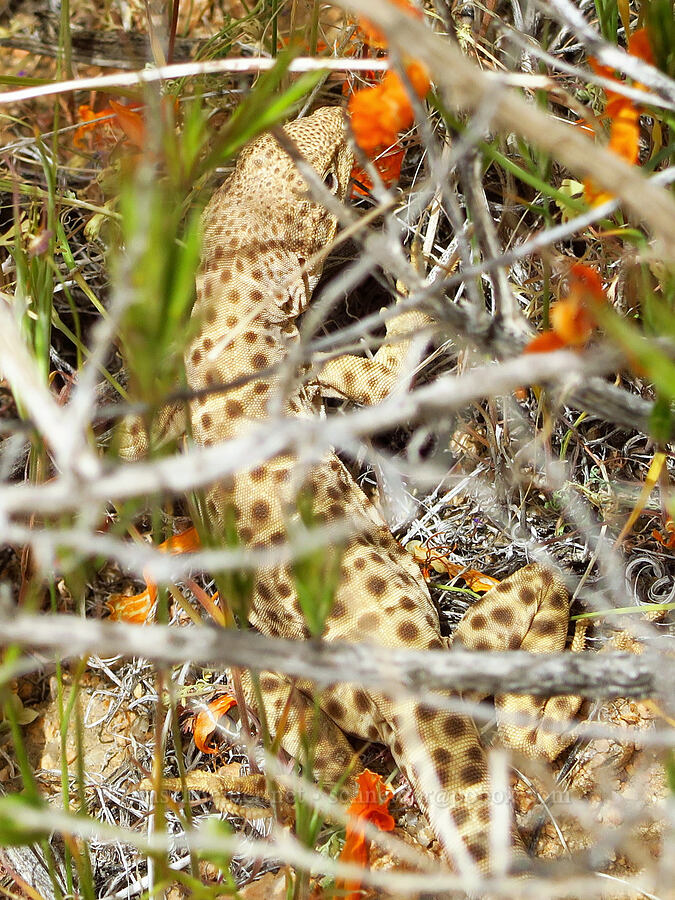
[[261, 235]]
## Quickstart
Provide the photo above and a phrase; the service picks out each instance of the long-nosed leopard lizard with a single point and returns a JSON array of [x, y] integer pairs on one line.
[[262, 233]]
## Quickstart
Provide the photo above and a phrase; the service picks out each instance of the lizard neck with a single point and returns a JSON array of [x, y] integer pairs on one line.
[[246, 326]]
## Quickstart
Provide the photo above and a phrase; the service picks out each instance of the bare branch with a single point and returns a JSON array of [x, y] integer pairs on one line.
[[20, 370], [188, 70], [594, 675], [172, 475]]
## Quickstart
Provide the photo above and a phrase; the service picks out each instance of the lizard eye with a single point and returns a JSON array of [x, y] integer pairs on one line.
[[331, 181]]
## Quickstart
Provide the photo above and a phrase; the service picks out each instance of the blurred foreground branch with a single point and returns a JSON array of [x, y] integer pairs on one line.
[[614, 674]]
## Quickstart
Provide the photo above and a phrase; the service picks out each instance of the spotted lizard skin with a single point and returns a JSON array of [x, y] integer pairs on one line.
[[261, 233]]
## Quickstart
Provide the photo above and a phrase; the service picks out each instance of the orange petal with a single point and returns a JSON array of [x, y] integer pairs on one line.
[[624, 135], [181, 543], [373, 798], [378, 113], [371, 804], [131, 123], [668, 540], [419, 77], [544, 343], [439, 562], [365, 183], [600, 70], [594, 195], [624, 116], [86, 114], [373, 36], [639, 45], [588, 279], [571, 322], [475, 580], [478, 581], [355, 850], [371, 128], [572, 319], [90, 121], [137, 609], [207, 721], [387, 164], [624, 140]]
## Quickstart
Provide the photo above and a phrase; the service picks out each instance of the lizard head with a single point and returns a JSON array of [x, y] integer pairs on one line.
[[268, 177], [322, 140], [267, 223]]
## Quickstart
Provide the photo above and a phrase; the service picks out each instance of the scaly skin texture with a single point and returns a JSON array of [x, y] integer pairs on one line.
[[261, 232]]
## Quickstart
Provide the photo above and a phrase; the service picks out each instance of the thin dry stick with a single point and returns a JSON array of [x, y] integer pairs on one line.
[[190, 70]]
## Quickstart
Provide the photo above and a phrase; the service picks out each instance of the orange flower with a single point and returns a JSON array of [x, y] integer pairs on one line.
[[668, 540], [378, 113], [131, 122], [624, 140], [116, 118], [586, 280], [89, 119], [373, 36], [112, 116], [387, 164], [207, 721], [639, 46], [546, 342], [623, 114], [572, 319], [370, 805], [624, 137], [435, 557], [138, 608]]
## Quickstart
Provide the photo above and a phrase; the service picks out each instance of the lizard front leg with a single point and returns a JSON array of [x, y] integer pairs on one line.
[[371, 380]]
